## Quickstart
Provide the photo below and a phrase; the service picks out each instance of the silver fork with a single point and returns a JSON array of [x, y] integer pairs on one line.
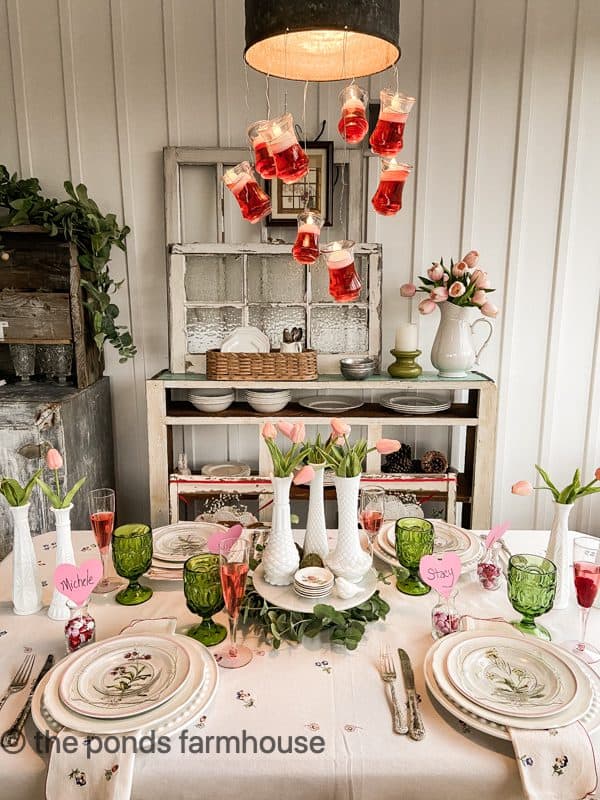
[[21, 679], [388, 676]]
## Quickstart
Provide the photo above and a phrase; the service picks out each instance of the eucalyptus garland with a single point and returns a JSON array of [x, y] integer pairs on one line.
[[276, 625]]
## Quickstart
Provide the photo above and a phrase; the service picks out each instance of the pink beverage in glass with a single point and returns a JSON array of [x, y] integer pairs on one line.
[[306, 246], [102, 524], [387, 137], [291, 162], [344, 283], [233, 583], [387, 199], [254, 203], [264, 163], [353, 124], [587, 582], [371, 521]]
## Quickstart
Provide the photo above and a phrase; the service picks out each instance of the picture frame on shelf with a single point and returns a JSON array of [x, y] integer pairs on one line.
[[314, 191]]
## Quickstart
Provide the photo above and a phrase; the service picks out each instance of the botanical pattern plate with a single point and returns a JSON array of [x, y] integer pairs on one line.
[[511, 677], [117, 679], [182, 540], [447, 539], [330, 405]]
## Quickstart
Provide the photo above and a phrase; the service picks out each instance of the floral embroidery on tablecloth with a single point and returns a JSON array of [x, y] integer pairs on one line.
[[560, 764], [324, 665], [313, 726], [350, 728], [49, 546], [79, 776], [552, 731], [108, 773], [3, 633], [527, 761], [41, 563], [87, 547], [44, 584], [201, 722], [246, 698]]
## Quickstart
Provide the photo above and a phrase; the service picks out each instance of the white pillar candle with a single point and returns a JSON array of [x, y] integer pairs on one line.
[[406, 337]]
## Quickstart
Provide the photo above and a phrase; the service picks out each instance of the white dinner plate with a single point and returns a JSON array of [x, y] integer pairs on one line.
[[230, 469], [330, 405], [512, 676], [587, 688], [414, 404], [447, 538], [246, 340], [115, 679], [196, 694], [285, 596], [180, 541]]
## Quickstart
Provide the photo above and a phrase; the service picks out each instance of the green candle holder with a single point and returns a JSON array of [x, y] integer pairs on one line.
[[405, 365]]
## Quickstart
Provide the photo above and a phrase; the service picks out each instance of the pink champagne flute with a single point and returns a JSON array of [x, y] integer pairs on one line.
[[234, 555], [586, 572], [372, 502], [101, 503]]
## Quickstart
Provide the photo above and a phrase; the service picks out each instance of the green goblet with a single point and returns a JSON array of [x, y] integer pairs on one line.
[[531, 590], [204, 596], [132, 556], [414, 539]]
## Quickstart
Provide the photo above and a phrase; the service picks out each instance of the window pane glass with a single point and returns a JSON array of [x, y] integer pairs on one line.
[[319, 278], [273, 320], [275, 279], [213, 279], [207, 327], [340, 329]]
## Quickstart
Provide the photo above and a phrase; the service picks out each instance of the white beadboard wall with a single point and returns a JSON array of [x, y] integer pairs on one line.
[[504, 138]]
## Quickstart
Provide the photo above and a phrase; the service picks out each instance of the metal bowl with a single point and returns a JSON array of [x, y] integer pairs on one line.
[[357, 368]]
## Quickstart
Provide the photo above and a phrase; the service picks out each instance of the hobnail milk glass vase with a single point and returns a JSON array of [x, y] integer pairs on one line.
[[315, 540], [559, 551], [27, 588], [348, 560], [64, 555], [280, 557]]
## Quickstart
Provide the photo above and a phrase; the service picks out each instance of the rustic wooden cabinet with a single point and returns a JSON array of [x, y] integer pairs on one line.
[[75, 421]]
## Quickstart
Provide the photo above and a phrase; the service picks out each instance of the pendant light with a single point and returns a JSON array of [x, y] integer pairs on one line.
[[322, 40]]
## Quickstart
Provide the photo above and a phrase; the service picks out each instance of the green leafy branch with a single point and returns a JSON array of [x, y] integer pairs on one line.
[[573, 491], [56, 500], [79, 220], [15, 494]]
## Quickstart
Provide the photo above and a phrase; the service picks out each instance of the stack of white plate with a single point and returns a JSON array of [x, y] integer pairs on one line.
[[448, 539], [128, 683], [414, 404], [268, 401], [493, 682], [211, 400], [313, 582], [174, 544]]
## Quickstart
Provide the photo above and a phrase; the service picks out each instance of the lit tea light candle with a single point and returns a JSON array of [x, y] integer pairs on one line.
[[406, 337]]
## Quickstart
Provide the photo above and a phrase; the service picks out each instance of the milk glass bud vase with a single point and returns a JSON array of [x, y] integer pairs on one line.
[[315, 540], [280, 557], [558, 552], [348, 560], [59, 609], [27, 588]]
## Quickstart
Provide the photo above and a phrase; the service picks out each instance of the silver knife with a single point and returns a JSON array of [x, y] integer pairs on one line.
[[416, 729], [11, 737]]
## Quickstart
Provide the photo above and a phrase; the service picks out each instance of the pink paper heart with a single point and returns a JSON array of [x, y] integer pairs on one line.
[[215, 539], [77, 583], [496, 533], [440, 572]]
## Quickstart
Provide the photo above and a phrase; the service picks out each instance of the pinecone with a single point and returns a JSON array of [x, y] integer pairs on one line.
[[400, 461], [434, 461]]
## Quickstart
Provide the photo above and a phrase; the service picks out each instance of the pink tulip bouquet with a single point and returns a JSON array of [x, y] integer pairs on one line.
[[285, 462], [347, 460], [463, 284], [566, 496], [54, 462]]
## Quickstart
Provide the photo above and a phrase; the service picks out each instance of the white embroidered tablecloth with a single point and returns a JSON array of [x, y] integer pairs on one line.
[[307, 690]]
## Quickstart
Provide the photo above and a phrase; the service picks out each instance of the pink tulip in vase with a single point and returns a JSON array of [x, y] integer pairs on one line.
[[455, 291]]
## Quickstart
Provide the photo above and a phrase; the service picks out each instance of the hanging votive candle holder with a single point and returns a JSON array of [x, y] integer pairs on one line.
[[387, 138], [353, 124], [291, 162], [306, 246], [387, 199], [264, 163], [254, 203], [344, 283]]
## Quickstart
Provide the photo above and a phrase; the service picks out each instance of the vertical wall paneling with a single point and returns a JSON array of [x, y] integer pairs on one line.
[[15, 43], [171, 86], [69, 75], [9, 138]]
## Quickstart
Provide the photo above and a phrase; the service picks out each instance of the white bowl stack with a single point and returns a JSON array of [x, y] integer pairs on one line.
[[211, 400], [268, 401]]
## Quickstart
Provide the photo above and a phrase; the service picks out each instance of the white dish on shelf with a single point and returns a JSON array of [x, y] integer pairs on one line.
[[418, 404], [267, 405], [247, 339], [229, 469], [330, 405], [212, 400], [285, 596]]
